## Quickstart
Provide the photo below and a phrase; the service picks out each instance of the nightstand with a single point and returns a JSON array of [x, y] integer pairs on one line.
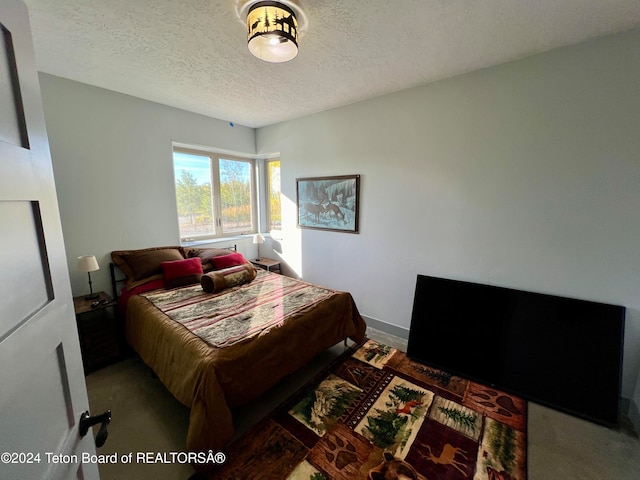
[[98, 330], [267, 264]]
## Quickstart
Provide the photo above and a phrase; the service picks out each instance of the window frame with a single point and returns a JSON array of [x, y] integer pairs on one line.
[[216, 196]]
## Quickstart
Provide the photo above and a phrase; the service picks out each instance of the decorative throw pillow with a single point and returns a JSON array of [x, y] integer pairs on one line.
[[225, 261], [142, 266], [179, 273], [220, 279], [206, 254]]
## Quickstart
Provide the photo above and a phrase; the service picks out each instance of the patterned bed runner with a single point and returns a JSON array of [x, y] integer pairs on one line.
[[228, 317]]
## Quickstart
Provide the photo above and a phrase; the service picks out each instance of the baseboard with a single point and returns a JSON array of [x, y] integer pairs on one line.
[[394, 330]]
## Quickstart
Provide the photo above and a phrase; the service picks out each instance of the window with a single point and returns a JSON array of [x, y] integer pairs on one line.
[[215, 194], [274, 213]]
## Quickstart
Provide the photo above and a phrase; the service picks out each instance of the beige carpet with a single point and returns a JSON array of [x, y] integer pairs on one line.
[[146, 418]]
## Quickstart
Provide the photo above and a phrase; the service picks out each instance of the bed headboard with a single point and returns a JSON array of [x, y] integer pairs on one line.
[[117, 277]]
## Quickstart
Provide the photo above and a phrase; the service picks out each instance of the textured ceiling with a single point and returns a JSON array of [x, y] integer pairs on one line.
[[192, 54]]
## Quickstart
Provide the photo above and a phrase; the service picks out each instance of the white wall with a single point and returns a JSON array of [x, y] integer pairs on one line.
[[112, 159], [525, 175]]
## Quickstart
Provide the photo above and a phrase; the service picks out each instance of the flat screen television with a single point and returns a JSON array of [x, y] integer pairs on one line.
[[560, 352]]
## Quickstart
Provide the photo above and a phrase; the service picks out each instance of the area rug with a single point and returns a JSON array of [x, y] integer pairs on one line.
[[375, 414]]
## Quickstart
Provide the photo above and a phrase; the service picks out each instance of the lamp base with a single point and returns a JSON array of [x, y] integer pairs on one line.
[[93, 296]]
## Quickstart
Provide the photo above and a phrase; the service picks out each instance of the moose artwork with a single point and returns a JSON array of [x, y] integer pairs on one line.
[[328, 203]]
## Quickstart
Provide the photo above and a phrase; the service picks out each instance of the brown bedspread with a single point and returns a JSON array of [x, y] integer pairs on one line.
[[212, 380]]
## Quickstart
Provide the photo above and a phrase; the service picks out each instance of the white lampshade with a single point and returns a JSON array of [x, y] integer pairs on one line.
[[272, 31], [258, 238], [88, 263]]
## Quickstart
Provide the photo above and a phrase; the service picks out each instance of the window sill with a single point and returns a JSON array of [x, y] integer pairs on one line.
[[198, 243]]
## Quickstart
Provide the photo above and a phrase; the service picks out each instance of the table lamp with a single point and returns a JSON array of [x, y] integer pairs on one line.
[[88, 263], [258, 239]]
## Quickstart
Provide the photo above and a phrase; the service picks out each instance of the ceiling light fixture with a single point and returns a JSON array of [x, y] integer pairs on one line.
[[272, 31]]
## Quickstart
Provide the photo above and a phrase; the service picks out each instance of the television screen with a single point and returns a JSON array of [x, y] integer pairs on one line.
[[560, 352]]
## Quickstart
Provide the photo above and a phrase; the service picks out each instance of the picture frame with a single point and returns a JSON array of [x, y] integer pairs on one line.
[[329, 203]]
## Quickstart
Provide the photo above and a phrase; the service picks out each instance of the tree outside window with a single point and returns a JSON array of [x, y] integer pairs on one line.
[[274, 210], [215, 195]]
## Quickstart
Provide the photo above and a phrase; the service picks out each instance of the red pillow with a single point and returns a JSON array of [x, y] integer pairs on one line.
[[178, 273], [231, 260]]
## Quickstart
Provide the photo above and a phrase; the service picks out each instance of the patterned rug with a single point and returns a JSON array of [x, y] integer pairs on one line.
[[375, 414]]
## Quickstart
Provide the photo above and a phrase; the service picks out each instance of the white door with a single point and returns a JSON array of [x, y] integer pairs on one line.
[[42, 386]]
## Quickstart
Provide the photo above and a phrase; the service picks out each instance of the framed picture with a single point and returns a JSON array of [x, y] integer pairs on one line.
[[328, 203]]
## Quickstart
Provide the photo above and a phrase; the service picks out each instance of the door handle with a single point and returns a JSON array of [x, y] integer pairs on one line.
[[87, 421]]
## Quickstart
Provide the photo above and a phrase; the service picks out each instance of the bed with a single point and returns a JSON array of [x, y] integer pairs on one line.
[[220, 343]]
